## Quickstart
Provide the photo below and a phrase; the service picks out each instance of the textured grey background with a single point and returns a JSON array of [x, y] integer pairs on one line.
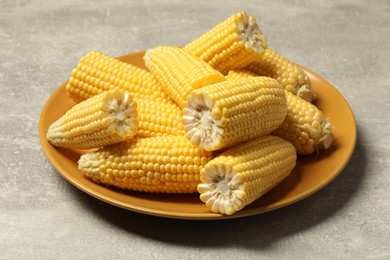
[[43, 216]]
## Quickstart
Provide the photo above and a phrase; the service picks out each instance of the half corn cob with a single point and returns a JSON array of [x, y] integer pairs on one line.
[[104, 119], [97, 72], [230, 112], [158, 116], [179, 73], [164, 164], [233, 43], [290, 75], [244, 173], [305, 126]]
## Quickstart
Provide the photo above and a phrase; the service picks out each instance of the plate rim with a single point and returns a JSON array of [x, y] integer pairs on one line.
[[191, 216]]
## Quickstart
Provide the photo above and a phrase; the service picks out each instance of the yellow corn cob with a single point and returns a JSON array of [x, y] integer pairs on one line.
[[230, 112], [245, 172], [232, 44], [290, 75], [158, 117], [239, 74], [164, 164], [178, 72], [97, 72], [157, 113], [102, 120], [305, 126]]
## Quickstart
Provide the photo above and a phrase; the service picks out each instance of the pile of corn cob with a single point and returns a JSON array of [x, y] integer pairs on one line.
[[223, 116]]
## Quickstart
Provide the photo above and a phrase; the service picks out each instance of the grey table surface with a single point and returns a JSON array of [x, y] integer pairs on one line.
[[43, 216]]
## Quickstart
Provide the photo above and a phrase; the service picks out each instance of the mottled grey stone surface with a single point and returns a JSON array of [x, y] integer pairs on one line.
[[43, 216]]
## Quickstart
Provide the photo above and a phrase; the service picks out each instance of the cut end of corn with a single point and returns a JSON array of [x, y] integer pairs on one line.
[[250, 34], [201, 122], [222, 190], [121, 111]]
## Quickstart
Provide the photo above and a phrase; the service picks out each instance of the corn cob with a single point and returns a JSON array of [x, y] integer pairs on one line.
[[290, 75], [232, 44], [178, 72], [305, 126], [104, 119], [97, 72], [244, 173], [164, 164], [157, 116], [230, 112]]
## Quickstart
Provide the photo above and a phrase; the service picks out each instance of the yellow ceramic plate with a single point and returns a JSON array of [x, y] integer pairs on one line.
[[311, 173]]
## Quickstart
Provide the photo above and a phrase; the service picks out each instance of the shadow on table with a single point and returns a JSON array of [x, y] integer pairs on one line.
[[254, 232]]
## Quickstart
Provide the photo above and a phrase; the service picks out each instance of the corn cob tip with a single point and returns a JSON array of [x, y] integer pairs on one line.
[[89, 164], [304, 91], [249, 33], [146, 57], [326, 137], [326, 142]]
